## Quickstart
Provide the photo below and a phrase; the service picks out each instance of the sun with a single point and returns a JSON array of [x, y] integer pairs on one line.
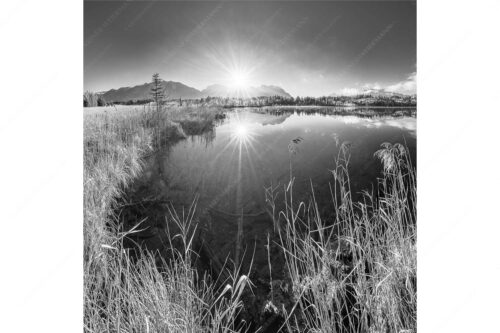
[[239, 78]]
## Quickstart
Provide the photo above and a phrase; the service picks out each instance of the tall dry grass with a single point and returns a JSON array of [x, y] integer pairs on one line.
[[90, 98], [125, 293], [357, 274]]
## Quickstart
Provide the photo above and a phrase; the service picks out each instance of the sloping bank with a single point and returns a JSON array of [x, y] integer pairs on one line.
[[119, 295], [359, 279]]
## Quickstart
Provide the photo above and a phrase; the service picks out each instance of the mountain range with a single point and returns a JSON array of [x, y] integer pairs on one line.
[[261, 91], [176, 90], [374, 92]]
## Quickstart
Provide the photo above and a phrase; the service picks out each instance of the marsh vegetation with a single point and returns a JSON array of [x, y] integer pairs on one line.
[[344, 261]]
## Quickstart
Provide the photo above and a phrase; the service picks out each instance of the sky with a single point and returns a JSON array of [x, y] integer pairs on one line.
[[308, 48]]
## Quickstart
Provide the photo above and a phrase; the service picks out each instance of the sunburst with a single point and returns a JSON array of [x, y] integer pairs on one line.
[[239, 79], [243, 134]]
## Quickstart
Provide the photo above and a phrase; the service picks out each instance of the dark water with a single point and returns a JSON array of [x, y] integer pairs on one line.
[[249, 151], [229, 167]]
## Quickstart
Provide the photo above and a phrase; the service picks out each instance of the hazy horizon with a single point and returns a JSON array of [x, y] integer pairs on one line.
[[306, 48]]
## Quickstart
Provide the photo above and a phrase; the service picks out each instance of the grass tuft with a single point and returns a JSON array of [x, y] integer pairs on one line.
[[358, 272], [133, 293], [353, 273]]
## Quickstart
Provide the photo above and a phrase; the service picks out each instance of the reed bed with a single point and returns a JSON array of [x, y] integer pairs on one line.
[[357, 274], [132, 293], [90, 99]]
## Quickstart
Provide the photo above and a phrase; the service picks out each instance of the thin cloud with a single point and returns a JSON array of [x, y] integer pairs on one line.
[[350, 91], [357, 91], [408, 86]]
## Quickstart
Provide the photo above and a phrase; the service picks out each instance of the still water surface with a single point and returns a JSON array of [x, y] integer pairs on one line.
[[229, 168]]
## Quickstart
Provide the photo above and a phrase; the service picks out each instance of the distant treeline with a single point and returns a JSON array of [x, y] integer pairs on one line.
[[92, 99], [359, 100], [135, 102]]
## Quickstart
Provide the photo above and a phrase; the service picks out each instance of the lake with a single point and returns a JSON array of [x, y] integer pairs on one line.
[[228, 168]]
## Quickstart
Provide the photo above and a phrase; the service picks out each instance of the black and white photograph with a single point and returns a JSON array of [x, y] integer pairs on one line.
[[249, 166]]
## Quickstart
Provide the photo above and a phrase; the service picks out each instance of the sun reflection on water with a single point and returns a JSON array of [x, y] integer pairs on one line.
[[243, 135], [241, 132]]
